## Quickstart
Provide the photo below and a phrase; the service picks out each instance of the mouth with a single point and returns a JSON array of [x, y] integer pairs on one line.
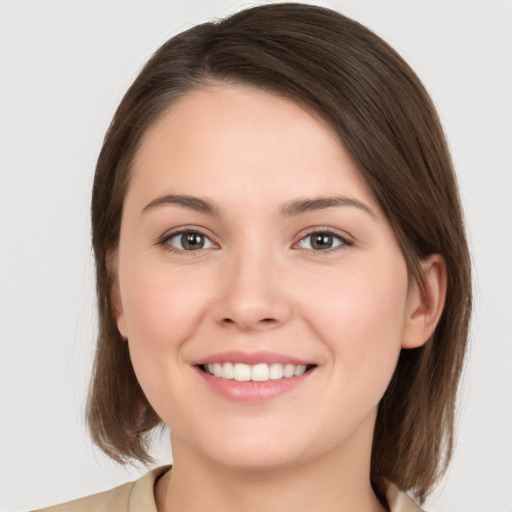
[[260, 372], [253, 377]]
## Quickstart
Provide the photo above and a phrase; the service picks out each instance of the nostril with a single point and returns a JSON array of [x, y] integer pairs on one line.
[[263, 320], [250, 325]]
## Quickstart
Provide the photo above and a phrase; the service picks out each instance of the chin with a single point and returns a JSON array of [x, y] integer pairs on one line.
[[256, 460], [248, 449]]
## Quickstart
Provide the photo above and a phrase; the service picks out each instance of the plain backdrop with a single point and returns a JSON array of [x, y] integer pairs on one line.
[[64, 65]]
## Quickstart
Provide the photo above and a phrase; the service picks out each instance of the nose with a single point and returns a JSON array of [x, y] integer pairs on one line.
[[253, 295]]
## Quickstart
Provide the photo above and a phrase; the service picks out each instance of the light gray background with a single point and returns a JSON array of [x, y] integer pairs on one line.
[[64, 65]]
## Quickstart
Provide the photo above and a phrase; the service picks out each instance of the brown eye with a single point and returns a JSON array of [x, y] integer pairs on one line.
[[189, 241], [321, 241]]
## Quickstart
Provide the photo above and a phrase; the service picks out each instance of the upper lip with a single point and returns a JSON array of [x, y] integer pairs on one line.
[[251, 358]]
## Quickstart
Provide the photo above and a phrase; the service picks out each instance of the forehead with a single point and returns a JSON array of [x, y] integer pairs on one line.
[[244, 141]]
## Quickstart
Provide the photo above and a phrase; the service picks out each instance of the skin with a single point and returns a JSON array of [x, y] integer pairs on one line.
[[259, 285]]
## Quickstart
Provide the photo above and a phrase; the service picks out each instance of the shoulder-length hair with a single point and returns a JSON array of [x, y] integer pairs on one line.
[[374, 102]]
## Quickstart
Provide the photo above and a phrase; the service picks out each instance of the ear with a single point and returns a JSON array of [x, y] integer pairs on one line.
[[425, 303], [115, 295]]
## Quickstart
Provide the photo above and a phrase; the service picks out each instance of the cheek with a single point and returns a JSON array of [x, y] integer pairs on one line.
[[360, 315], [162, 310], [161, 305]]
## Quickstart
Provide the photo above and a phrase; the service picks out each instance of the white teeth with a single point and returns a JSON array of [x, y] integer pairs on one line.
[[299, 370], [288, 370], [228, 371], [257, 373], [260, 373], [242, 372], [217, 369], [276, 371]]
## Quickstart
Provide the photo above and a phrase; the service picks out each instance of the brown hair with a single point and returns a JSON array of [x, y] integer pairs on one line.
[[362, 88]]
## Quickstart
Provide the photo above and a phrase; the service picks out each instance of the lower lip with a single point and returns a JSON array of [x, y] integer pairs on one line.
[[253, 392]]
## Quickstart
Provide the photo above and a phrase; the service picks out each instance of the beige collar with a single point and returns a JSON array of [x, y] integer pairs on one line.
[[142, 495]]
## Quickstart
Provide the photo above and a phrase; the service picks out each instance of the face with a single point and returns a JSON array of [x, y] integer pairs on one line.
[[252, 249]]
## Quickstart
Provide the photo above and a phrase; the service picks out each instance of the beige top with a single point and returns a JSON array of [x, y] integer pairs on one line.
[[139, 496]]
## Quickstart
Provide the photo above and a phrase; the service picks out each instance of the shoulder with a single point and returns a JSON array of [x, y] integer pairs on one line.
[[399, 501], [115, 499], [130, 497]]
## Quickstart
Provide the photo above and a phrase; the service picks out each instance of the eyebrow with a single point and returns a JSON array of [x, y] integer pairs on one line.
[[190, 202], [300, 206], [290, 209]]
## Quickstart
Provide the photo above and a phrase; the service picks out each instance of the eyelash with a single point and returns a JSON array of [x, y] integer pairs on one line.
[[342, 238], [164, 241]]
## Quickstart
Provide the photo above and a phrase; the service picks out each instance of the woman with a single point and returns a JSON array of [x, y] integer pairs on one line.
[[282, 272]]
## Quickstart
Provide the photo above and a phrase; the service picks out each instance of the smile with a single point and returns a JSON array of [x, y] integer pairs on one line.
[[253, 377], [261, 372]]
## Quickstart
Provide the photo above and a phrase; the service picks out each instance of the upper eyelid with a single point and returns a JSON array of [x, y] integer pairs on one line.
[[346, 242], [163, 241], [325, 229], [185, 229], [343, 235]]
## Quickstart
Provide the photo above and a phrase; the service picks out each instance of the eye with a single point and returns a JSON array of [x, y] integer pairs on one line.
[[322, 241], [189, 241]]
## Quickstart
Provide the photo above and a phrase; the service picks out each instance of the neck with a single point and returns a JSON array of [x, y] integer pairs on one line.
[[335, 482]]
